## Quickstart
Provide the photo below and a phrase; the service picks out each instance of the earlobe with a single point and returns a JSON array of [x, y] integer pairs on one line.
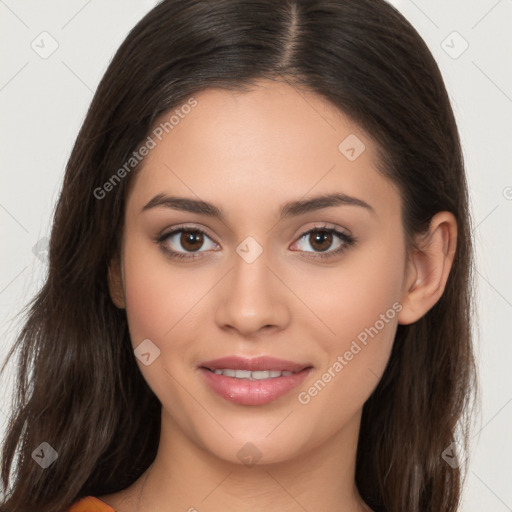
[[428, 268], [115, 283]]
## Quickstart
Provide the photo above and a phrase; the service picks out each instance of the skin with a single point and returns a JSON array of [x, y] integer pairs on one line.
[[248, 153]]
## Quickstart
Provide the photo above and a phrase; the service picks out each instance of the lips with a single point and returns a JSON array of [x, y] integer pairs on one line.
[[255, 381]]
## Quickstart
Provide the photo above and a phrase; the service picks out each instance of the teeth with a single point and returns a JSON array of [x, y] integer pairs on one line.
[[256, 375], [264, 374]]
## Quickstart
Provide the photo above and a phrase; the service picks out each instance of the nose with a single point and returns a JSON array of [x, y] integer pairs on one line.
[[252, 298]]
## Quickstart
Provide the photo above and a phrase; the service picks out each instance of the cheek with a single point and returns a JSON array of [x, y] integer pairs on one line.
[[160, 306], [358, 306], [159, 303], [352, 297]]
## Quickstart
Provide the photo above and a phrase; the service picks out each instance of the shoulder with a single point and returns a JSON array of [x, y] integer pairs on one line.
[[90, 504]]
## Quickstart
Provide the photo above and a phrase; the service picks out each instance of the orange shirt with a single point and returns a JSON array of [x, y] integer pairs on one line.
[[90, 504]]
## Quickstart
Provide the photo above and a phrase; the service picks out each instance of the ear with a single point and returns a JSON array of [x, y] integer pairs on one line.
[[428, 268], [115, 282]]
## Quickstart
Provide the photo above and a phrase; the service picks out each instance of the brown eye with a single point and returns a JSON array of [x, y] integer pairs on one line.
[[324, 242], [191, 240], [320, 240], [184, 242]]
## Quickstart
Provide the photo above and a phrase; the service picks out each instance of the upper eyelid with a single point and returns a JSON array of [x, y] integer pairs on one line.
[[328, 227], [171, 231]]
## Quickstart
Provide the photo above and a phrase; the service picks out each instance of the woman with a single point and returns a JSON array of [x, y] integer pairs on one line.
[[259, 291]]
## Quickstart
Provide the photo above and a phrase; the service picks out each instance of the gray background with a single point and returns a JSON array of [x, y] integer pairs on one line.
[[44, 98]]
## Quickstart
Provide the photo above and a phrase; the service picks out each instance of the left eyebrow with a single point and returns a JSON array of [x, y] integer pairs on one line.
[[302, 206], [289, 209]]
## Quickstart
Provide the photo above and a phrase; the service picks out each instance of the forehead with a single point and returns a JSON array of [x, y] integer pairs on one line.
[[270, 144]]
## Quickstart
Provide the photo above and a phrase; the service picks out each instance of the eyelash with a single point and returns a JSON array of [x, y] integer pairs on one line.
[[347, 241]]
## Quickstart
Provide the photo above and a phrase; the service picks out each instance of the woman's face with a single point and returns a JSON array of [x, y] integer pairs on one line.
[[267, 278]]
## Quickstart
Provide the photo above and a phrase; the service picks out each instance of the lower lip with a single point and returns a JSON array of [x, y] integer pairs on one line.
[[252, 392]]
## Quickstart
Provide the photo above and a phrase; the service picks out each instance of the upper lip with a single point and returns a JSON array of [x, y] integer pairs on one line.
[[254, 364]]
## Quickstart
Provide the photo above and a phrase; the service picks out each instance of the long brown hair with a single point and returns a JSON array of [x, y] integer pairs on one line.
[[78, 386]]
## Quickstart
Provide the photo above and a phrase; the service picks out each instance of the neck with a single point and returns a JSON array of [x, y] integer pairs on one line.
[[185, 476]]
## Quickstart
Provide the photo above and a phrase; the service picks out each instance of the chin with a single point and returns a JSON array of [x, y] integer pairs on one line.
[[249, 446], [249, 451]]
